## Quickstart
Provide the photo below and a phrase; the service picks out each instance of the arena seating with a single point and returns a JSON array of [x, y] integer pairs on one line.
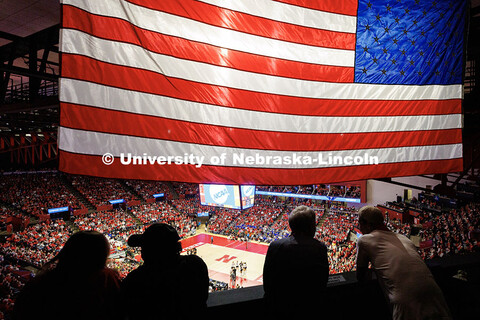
[[12, 280], [38, 243], [164, 212], [446, 230], [105, 221], [146, 189], [321, 190], [34, 193], [99, 190]]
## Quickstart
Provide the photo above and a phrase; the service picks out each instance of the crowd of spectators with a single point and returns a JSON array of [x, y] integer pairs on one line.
[[338, 224], [35, 193], [123, 265], [258, 223], [185, 190], [342, 257], [336, 191], [12, 280], [118, 238], [6, 217], [353, 192], [398, 206], [146, 189], [320, 190], [99, 190], [190, 206], [398, 227], [162, 211], [335, 231], [221, 220], [271, 188], [105, 221], [449, 230], [38, 243], [444, 229]]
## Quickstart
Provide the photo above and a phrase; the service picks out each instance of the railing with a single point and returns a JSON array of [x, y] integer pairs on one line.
[[346, 299], [469, 84], [20, 92]]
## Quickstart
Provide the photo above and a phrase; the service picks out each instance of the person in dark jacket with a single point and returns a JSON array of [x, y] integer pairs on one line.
[[168, 285], [295, 272]]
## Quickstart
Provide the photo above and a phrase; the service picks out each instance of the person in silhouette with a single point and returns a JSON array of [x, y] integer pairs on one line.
[[295, 272], [75, 284], [168, 285], [402, 274]]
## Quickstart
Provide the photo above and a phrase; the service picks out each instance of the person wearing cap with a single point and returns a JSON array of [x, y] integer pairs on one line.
[[295, 272], [168, 285], [403, 276]]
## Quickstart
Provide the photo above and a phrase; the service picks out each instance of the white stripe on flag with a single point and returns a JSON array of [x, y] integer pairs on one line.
[[196, 31], [291, 14], [91, 94], [77, 42], [261, 8], [93, 143]]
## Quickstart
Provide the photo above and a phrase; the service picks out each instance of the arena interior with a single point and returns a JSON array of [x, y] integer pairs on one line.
[[41, 206]]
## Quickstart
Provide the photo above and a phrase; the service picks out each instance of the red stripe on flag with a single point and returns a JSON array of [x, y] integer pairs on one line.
[[92, 165], [122, 31], [235, 20], [86, 118], [88, 69], [347, 7]]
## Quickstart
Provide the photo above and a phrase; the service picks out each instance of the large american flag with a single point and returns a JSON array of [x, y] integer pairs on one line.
[[262, 79]]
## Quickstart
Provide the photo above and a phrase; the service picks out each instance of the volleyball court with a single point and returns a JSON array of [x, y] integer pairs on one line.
[[221, 253]]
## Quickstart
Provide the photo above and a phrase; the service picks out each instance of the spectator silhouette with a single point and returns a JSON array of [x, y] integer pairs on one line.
[[168, 285], [402, 274], [295, 272], [75, 284]]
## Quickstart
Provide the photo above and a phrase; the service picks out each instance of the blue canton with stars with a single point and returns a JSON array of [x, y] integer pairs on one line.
[[410, 41]]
